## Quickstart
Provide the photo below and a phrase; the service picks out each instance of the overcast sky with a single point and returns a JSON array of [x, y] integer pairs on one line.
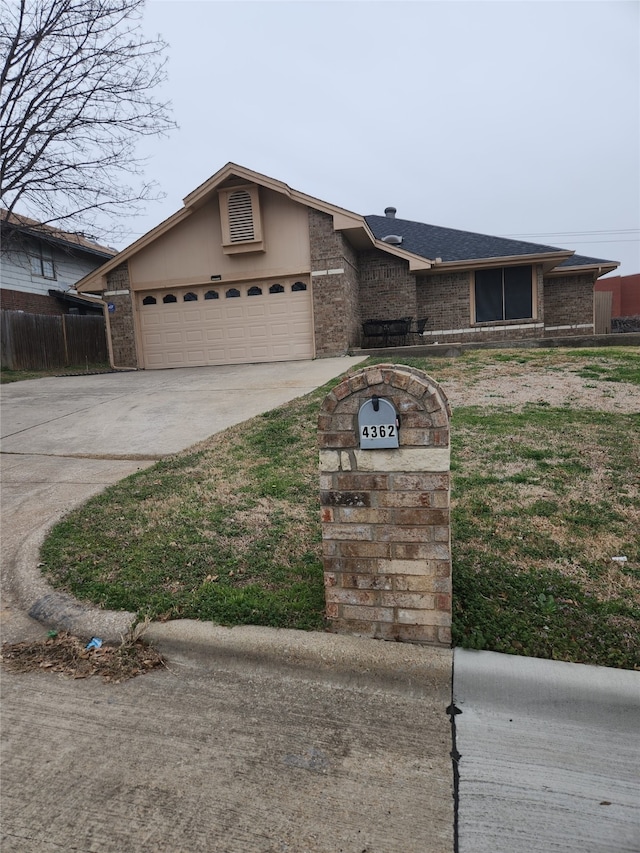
[[508, 118]]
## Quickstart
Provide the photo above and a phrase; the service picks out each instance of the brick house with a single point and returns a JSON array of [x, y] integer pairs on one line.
[[250, 270], [39, 266]]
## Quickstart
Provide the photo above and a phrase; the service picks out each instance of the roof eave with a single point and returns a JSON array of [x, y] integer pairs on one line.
[[95, 280], [549, 260], [599, 269], [50, 236]]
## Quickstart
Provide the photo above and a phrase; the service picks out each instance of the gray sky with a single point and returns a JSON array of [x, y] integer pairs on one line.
[[508, 118]]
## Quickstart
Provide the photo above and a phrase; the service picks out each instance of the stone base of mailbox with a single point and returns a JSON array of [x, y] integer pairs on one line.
[[386, 513]]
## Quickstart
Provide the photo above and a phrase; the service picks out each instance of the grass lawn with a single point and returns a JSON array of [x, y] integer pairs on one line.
[[543, 497], [7, 375]]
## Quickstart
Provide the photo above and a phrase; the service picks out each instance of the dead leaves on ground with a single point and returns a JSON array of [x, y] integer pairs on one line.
[[67, 654]]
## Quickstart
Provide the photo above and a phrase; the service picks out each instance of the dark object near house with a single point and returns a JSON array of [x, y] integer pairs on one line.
[[625, 324], [392, 332], [385, 332]]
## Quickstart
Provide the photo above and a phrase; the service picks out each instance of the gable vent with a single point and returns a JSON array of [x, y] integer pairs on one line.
[[240, 217]]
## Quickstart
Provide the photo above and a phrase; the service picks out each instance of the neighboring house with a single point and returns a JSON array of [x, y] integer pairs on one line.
[[39, 266], [626, 294], [249, 270]]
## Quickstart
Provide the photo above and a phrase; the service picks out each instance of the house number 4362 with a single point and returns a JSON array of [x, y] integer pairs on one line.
[[378, 431]]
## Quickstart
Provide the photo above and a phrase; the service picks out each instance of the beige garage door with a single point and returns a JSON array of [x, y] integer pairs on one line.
[[227, 324]]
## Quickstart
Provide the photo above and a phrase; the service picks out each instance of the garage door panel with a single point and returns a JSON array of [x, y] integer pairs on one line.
[[236, 333], [172, 318], [228, 330], [174, 337]]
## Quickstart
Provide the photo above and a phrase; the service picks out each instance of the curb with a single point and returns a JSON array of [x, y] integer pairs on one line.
[[58, 609], [355, 661]]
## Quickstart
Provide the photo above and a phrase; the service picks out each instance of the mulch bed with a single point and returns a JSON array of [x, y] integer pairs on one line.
[[68, 654]]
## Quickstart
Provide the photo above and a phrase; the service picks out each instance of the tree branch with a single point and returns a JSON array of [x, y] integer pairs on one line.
[[77, 84]]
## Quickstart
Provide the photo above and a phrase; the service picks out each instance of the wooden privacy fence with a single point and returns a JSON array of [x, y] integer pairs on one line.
[[602, 302], [42, 341]]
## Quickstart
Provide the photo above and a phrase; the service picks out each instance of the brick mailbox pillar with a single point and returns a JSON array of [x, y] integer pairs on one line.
[[385, 510]]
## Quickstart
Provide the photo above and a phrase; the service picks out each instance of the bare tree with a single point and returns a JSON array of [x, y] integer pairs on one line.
[[77, 82]]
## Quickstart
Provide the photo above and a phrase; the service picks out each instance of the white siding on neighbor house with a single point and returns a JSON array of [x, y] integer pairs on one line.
[[16, 274]]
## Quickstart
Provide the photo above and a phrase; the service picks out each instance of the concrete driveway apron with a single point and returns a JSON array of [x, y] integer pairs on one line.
[[251, 739]]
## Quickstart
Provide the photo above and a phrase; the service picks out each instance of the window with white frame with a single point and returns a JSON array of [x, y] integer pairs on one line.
[[504, 293]]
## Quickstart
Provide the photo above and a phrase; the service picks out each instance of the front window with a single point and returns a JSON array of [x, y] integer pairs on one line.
[[41, 259], [503, 294]]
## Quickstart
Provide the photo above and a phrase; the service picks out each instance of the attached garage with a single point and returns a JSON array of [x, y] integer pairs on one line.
[[228, 323]]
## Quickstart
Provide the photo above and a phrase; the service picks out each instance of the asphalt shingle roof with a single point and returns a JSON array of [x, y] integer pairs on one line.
[[52, 234], [450, 244], [583, 261]]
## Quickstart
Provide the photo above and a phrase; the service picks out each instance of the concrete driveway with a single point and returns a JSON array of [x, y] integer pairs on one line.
[[66, 438]]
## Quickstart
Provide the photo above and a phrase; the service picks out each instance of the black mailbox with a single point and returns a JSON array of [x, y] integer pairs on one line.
[[378, 424]]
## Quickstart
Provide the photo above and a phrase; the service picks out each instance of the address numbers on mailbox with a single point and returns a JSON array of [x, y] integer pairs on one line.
[[378, 424]]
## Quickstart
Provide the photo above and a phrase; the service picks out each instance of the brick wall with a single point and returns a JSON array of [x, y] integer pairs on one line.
[[568, 304], [335, 294], [445, 299], [30, 303], [387, 288], [386, 513], [121, 322]]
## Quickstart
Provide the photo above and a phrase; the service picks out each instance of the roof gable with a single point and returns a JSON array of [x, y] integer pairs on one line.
[[423, 246]]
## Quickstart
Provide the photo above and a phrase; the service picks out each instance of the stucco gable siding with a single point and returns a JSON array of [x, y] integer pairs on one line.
[[191, 252]]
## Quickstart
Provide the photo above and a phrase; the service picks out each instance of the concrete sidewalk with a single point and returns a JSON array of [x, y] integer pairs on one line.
[[549, 755]]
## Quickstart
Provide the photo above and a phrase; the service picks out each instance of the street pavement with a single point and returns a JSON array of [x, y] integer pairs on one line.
[[256, 739], [225, 752]]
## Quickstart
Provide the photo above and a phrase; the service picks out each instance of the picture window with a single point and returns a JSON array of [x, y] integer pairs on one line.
[[503, 294]]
